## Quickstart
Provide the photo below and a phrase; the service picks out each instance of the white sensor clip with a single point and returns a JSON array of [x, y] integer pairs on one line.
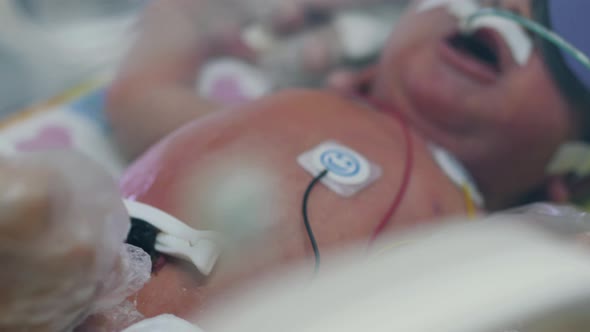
[[177, 239]]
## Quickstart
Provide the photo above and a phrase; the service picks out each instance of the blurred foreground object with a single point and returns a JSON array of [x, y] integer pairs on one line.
[[503, 274], [62, 232]]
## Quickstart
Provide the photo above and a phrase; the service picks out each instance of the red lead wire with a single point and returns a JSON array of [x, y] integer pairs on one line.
[[407, 173]]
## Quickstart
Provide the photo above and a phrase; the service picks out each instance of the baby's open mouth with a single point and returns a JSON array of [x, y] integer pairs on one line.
[[481, 46]]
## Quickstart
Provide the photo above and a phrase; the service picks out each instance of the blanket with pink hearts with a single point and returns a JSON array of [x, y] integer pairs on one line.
[[76, 120]]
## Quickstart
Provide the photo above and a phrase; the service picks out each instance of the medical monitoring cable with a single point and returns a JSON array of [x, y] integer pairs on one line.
[[308, 228], [407, 172], [536, 28]]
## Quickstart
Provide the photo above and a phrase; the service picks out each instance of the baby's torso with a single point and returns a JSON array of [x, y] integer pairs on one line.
[[237, 172]]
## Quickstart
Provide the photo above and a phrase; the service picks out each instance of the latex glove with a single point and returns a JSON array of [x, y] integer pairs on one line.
[[62, 228]]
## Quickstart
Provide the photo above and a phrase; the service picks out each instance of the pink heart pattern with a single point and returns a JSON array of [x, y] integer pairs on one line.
[[47, 138], [228, 90]]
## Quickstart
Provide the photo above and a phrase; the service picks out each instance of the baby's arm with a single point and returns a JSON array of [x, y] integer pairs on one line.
[[154, 92]]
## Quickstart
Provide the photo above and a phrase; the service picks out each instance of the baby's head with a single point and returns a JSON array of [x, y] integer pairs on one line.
[[471, 95]]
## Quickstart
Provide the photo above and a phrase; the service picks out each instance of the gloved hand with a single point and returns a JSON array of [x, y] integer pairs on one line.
[[62, 228]]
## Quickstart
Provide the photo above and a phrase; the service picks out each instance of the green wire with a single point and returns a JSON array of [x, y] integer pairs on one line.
[[536, 28]]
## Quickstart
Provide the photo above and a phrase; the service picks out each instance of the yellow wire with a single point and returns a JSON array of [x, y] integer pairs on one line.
[[60, 99], [471, 214], [469, 203]]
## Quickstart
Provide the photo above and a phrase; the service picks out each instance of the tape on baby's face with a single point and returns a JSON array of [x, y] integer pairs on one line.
[[348, 171], [518, 42], [432, 4]]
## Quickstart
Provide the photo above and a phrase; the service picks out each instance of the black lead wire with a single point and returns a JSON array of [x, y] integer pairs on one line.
[[314, 244]]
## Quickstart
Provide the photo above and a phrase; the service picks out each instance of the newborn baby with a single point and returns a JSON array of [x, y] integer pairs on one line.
[[433, 87], [443, 130]]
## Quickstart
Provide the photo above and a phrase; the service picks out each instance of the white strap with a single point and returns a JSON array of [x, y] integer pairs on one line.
[[177, 239], [163, 323], [203, 254]]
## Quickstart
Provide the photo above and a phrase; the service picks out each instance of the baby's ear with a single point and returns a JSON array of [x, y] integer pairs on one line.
[[25, 203]]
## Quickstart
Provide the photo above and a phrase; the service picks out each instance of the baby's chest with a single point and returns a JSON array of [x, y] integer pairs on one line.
[[249, 170], [247, 175]]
